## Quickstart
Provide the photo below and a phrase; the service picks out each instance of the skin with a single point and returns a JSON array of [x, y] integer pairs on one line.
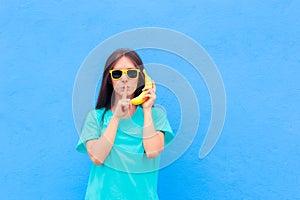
[[153, 141]]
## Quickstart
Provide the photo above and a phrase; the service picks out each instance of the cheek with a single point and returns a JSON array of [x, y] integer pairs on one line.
[[115, 84], [133, 83]]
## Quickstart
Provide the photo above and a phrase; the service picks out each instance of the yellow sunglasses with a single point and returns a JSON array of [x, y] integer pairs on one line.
[[118, 73]]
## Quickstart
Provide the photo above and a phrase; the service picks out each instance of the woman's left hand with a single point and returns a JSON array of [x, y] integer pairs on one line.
[[150, 94]]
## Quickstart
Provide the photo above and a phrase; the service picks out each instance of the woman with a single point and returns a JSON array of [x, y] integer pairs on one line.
[[122, 140]]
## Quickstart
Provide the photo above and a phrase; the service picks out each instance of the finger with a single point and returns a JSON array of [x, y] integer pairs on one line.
[[124, 107], [125, 102], [130, 105], [153, 86], [150, 96], [149, 90], [124, 96]]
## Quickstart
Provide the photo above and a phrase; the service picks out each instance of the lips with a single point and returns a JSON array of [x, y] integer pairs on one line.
[[123, 87]]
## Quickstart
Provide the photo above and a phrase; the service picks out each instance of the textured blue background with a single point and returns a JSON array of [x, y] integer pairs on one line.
[[256, 46]]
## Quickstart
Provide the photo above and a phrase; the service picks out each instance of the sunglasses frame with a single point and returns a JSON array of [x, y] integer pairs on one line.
[[124, 71]]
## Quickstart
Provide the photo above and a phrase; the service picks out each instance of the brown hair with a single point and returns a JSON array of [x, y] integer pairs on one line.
[[105, 96]]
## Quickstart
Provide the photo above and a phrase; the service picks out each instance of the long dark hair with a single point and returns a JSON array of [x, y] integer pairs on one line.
[[105, 96]]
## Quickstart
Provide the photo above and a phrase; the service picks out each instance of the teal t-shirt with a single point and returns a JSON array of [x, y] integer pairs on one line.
[[126, 173]]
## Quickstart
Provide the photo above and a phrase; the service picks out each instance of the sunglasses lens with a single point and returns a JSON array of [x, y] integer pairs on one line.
[[116, 73], [132, 73]]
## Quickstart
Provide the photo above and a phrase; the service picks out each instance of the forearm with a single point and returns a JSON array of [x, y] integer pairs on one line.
[[99, 149], [153, 140]]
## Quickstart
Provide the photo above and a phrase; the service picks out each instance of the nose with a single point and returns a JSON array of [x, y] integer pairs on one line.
[[124, 77]]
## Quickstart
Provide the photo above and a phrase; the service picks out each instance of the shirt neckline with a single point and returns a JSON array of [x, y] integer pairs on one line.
[[137, 110]]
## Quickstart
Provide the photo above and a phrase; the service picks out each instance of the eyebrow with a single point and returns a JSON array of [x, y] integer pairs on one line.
[[126, 68]]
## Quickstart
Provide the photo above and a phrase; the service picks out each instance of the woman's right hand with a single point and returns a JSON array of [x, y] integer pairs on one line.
[[123, 107]]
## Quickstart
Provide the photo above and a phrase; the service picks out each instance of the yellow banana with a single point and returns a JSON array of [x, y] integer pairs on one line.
[[141, 98]]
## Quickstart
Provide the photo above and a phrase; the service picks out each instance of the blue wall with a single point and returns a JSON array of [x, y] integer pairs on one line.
[[255, 45]]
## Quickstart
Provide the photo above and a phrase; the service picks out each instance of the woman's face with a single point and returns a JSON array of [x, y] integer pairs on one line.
[[120, 84]]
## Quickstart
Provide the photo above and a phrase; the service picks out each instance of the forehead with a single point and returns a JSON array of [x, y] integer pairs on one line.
[[124, 63]]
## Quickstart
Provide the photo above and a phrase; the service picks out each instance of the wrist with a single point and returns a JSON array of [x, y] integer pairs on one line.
[[147, 117], [147, 110], [115, 118]]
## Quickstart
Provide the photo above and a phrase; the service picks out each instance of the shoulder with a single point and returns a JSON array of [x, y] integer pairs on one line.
[[158, 111], [96, 113]]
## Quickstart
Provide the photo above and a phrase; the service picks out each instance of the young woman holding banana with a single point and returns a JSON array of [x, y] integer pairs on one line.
[[125, 134]]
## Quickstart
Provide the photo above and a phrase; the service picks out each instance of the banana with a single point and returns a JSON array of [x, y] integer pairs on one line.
[[141, 98]]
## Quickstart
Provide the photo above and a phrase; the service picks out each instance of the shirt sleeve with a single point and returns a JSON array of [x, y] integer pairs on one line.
[[162, 124], [90, 131]]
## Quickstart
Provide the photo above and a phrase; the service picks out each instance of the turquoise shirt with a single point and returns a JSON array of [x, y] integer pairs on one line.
[[127, 173]]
